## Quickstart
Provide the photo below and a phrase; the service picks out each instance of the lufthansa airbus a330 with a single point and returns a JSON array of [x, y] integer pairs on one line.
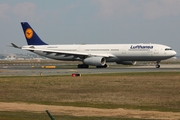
[[96, 54]]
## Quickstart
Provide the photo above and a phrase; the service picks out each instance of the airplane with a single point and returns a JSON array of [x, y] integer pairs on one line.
[[95, 54]]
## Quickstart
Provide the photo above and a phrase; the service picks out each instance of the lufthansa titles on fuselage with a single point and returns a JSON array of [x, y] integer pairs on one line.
[[141, 47]]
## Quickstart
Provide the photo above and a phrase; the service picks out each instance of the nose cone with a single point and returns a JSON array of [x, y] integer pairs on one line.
[[174, 53]]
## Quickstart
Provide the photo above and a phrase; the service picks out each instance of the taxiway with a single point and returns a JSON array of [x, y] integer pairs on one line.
[[23, 71]]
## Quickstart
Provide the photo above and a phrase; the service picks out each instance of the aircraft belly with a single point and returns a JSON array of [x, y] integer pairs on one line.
[[142, 58], [112, 59]]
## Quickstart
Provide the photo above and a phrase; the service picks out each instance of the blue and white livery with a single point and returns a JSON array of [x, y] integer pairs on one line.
[[96, 54]]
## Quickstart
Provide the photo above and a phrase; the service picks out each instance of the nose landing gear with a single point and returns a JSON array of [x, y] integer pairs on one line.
[[158, 64]]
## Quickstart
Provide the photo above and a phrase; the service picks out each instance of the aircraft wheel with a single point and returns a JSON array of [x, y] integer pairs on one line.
[[105, 66], [157, 66], [83, 66]]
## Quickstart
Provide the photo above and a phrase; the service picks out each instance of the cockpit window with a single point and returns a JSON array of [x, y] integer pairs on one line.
[[168, 49]]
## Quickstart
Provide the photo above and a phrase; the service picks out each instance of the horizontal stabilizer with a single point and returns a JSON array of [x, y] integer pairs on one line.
[[15, 46]]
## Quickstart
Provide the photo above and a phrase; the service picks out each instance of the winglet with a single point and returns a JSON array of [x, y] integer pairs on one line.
[[31, 37]]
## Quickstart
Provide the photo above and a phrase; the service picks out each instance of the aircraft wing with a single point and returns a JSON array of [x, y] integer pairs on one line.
[[68, 53]]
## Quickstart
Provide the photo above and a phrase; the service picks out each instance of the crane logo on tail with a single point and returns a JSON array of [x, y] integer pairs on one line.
[[29, 33]]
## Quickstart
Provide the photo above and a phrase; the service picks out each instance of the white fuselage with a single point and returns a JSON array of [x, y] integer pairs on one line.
[[112, 52]]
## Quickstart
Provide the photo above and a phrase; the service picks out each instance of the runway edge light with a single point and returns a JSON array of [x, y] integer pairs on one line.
[[76, 75]]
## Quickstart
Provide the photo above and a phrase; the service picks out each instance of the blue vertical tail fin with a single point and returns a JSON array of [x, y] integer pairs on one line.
[[31, 37]]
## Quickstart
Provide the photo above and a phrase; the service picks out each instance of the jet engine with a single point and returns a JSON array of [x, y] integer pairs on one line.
[[127, 62], [95, 61]]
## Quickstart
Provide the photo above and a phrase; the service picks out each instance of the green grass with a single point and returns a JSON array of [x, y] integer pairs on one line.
[[44, 116], [23, 116], [157, 91]]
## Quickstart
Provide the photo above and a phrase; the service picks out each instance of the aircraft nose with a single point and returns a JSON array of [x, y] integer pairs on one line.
[[174, 53]]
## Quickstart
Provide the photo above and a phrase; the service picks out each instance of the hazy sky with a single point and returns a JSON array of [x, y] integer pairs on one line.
[[91, 21]]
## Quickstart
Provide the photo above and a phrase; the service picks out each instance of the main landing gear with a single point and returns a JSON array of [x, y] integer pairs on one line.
[[87, 66], [83, 66], [158, 64], [105, 66]]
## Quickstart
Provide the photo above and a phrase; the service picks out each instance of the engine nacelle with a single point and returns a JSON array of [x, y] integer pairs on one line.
[[127, 62], [95, 61]]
